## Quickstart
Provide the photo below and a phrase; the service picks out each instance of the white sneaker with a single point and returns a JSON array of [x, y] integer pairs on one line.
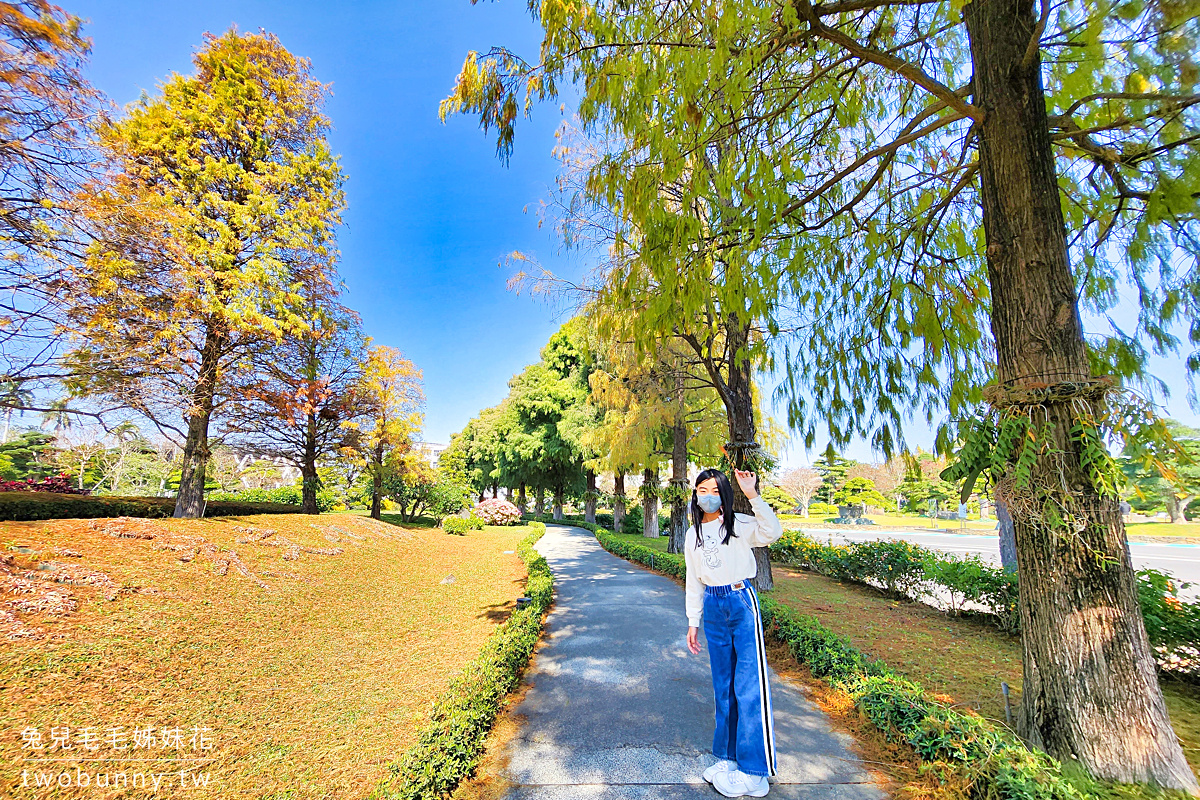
[[735, 783], [722, 765]]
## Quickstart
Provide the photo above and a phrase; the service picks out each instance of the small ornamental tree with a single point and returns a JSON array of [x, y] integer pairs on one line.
[[390, 387], [860, 492]]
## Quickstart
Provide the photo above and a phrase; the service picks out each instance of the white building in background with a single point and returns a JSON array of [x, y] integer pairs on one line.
[[431, 450]]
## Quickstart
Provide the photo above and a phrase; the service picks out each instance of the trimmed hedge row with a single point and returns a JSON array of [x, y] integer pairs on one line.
[[448, 748], [26, 506], [903, 569], [993, 762]]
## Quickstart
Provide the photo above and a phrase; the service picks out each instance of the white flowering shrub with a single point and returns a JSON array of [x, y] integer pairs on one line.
[[497, 512]]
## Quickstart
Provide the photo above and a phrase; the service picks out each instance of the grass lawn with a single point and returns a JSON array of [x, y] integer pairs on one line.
[[1187, 529], [962, 660], [311, 668]]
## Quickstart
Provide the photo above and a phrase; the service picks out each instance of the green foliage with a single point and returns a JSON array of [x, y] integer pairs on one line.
[[1169, 621], [1169, 478], [449, 746], [776, 498], [28, 455], [860, 492], [290, 495], [16, 506], [460, 525], [833, 469], [822, 510]]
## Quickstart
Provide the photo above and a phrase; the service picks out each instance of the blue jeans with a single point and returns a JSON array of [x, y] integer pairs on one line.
[[737, 653]]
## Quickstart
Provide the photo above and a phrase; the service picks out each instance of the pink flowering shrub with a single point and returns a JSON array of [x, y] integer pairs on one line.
[[497, 512], [58, 484]]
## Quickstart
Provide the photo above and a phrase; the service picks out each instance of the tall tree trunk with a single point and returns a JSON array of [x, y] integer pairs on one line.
[[539, 501], [739, 412], [495, 489], [377, 483], [521, 499], [618, 500], [679, 483], [558, 501], [189, 504], [308, 470], [650, 505], [589, 504], [1090, 689]]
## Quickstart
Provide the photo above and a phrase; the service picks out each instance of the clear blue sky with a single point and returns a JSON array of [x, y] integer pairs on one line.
[[431, 209]]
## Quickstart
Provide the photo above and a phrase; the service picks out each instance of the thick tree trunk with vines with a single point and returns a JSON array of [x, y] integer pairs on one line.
[[650, 504], [742, 446], [589, 504], [559, 493], [618, 500], [539, 501], [1090, 690], [522, 501], [189, 504], [679, 483]]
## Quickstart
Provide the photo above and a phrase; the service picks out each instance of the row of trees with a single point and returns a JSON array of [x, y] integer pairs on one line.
[[592, 405], [176, 263], [902, 208]]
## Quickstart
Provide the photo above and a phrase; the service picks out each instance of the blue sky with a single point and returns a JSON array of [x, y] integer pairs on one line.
[[432, 211]]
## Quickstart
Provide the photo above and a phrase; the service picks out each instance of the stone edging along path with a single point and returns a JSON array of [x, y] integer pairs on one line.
[[616, 706]]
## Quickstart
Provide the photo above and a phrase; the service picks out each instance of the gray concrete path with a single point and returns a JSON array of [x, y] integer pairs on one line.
[[618, 707]]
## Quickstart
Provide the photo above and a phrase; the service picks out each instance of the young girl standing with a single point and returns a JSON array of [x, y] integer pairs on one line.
[[720, 564]]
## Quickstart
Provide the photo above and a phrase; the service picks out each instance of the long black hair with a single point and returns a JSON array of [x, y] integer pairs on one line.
[[726, 493]]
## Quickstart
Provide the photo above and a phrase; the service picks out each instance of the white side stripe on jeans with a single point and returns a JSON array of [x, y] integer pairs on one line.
[[768, 720]]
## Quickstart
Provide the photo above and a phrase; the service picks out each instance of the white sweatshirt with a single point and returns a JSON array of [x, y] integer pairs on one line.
[[717, 564]]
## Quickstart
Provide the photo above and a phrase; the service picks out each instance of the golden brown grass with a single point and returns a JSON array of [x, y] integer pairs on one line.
[[309, 686]]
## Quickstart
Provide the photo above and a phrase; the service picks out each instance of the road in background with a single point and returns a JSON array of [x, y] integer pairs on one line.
[[1180, 560]]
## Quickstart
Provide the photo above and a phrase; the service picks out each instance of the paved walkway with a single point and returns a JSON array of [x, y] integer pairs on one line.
[[618, 707]]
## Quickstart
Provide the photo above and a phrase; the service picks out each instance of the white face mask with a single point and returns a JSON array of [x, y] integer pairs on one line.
[[709, 503]]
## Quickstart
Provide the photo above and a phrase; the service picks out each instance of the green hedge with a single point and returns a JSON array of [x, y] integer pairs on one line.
[[448, 748], [460, 525], [24, 506], [995, 763], [290, 495]]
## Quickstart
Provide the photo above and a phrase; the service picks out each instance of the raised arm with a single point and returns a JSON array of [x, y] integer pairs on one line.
[[766, 528]]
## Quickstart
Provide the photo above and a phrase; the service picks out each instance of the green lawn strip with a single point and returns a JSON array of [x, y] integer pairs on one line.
[[1163, 529], [992, 760], [449, 746], [31, 506]]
